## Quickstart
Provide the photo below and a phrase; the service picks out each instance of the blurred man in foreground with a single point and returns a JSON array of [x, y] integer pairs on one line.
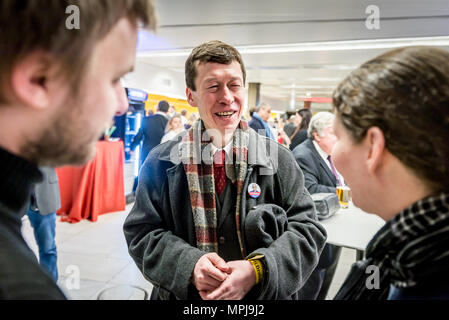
[[60, 89]]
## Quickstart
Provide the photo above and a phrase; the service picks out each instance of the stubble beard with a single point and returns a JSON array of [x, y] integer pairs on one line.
[[63, 142]]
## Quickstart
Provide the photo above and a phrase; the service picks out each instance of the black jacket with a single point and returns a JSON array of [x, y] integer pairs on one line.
[[152, 131], [21, 277], [318, 177], [299, 138]]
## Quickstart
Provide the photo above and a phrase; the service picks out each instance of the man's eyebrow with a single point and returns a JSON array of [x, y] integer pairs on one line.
[[129, 70], [210, 79], [215, 79]]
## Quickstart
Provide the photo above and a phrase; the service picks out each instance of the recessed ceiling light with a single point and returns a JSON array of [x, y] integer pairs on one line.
[[316, 46]]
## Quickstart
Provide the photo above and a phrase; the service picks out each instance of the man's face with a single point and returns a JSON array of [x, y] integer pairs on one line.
[[219, 95], [327, 140], [265, 113], [78, 123]]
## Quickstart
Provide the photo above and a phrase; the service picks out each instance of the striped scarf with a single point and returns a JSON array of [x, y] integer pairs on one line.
[[197, 157], [407, 250]]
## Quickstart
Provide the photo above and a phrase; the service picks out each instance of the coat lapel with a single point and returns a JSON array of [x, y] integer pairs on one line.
[[323, 163], [227, 206]]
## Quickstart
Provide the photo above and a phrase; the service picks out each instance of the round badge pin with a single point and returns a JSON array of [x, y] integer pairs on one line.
[[254, 190]]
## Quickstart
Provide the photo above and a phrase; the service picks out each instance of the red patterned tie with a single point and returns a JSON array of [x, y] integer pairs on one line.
[[220, 171]]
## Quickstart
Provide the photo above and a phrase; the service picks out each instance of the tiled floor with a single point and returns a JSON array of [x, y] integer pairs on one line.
[[99, 252], [95, 251]]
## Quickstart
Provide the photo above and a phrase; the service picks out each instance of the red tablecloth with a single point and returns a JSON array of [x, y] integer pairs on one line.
[[95, 189]]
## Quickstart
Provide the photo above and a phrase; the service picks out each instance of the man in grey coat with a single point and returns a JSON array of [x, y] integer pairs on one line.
[[222, 213], [45, 201]]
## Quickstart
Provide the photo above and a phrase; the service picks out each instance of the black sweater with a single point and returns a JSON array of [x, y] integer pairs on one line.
[[21, 277]]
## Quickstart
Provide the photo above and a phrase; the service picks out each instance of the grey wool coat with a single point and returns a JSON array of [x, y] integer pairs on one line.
[[281, 224], [47, 192]]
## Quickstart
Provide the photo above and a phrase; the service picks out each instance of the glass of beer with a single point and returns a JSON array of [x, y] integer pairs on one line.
[[344, 195]]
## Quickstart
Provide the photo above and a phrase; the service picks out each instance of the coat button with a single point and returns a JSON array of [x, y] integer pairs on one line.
[[222, 240]]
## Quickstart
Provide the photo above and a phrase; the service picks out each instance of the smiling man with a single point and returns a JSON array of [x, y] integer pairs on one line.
[[59, 90], [222, 213]]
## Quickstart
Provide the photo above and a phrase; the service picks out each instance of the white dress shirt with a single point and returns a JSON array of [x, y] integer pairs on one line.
[[324, 155], [227, 149]]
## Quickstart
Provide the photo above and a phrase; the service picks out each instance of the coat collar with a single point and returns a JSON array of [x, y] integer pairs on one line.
[[258, 155]]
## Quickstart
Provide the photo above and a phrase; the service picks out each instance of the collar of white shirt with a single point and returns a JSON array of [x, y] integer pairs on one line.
[[227, 149], [325, 156]]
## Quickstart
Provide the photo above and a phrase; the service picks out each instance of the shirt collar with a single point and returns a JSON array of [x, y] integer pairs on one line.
[[227, 149], [257, 151], [162, 114], [323, 154]]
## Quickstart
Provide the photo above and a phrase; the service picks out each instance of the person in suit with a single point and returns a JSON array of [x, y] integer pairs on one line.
[[45, 201], [313, 157], [259, 121], [152, 131]]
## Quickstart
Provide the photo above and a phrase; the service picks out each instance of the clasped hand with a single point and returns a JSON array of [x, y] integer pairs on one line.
[[217, 280]]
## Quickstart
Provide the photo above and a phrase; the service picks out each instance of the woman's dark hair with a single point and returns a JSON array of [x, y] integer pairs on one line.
[[405, 93], [306, 116]]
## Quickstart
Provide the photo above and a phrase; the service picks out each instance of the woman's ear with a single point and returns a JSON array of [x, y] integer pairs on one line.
[[29, 80], [375, 141]]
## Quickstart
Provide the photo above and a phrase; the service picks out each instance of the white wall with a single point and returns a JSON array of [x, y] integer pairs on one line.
[[284, 105], [157, 80]]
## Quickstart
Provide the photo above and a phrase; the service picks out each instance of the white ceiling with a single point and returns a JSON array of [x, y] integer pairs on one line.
[[325, 39]]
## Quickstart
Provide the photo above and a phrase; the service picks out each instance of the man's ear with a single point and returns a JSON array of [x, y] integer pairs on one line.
[[376, 143], [190, 97], [29, 79]]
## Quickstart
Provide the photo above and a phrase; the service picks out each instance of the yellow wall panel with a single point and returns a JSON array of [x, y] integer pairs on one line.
[[178, 104]]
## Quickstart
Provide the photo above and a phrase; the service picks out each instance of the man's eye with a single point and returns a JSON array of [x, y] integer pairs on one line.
[[121, 79]]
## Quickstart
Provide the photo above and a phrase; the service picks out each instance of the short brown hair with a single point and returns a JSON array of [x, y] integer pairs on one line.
[[29, 25], [212, 51], [405, 93]]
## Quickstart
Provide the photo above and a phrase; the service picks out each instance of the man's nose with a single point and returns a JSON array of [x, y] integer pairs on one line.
[[226, 97], [123, 104]]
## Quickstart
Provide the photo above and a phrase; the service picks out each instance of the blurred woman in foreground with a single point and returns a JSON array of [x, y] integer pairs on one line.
[[392, 126]]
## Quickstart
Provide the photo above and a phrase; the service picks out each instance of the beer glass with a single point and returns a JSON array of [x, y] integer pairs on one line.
[[344, 196]]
